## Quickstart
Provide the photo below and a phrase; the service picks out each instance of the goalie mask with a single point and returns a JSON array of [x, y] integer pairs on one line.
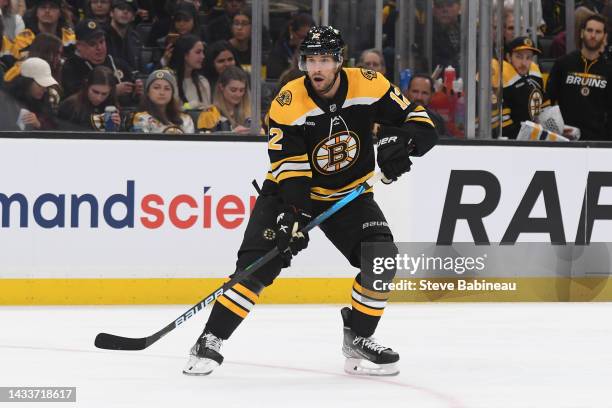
[[321, 40]]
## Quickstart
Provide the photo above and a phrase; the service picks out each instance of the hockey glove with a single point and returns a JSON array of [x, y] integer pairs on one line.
[[289, 239], [393, 156]]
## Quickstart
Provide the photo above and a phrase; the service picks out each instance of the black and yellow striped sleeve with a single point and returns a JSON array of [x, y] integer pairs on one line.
[[289, 161]]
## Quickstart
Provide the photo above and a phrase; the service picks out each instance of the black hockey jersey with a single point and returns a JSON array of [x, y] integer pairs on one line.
[[583, 91], [523, 98], [324, 147]]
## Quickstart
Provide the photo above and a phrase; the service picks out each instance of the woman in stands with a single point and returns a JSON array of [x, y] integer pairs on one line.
[[86, 107], [231, 109], [184, 21], [31, 108], [217, 57], [285, 48], [160, 109], [187, 60]]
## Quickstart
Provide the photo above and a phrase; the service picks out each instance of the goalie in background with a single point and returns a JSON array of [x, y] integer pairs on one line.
[[320, 147]]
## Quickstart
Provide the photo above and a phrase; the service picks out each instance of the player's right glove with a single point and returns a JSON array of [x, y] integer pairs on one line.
[[289, 239], [393, 156]]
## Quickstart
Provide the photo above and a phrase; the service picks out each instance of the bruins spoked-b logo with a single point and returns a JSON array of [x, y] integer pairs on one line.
[[536, 99], [336, 153], [368, 73], [284, 98]]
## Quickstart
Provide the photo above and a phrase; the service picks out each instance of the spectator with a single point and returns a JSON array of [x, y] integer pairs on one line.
[[372, 59], [184, 21], [241, 38], [45, 46], [231, 109], [31, 108], [523, 94], [122, 40], [220, 28], [558, 47], [580, 83], [99, 10], [92, 52], [217, 57], [420, 91], [49, 48], [86, 108], [47, 18], [446, 33], [160, 110], [508, 25], [186, 62], [13, 23], [284, 49], [553, 12]]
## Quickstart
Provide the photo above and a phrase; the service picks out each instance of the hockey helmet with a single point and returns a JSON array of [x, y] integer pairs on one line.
[[321, 40]]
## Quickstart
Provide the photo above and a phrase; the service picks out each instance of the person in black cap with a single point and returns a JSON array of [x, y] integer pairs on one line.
[[46, 18], [523, 94], [122, 39], [91, 52]]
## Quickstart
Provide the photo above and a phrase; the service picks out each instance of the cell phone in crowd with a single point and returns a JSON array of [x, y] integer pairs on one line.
[[171, 38]]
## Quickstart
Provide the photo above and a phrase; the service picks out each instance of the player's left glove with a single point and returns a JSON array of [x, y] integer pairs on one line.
[[289, 239], [393, 156]]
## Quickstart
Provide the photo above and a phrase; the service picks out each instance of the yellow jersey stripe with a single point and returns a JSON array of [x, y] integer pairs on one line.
[[336, 198], [231, 306], [301, 158], [423, 120], [325, 191], [291, 174]]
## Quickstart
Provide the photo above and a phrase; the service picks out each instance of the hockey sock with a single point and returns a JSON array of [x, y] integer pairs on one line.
[[368, 306], [232, 308]]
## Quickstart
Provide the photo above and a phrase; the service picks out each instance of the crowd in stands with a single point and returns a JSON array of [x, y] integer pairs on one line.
[[183, 66]]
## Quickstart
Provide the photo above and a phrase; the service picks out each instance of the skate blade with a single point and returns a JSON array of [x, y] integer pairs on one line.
[[200, 366], [359, 366]]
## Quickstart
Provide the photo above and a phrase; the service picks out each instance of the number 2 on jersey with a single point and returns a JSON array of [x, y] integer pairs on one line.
[[276, 135]]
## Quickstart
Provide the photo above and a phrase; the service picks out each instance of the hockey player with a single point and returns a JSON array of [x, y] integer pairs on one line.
[[320, 148], [523, 95]]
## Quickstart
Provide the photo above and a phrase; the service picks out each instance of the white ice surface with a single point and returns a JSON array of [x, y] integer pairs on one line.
[[555, 355]]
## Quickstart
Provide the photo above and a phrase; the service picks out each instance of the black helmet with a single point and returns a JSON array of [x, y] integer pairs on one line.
[[321, 40]]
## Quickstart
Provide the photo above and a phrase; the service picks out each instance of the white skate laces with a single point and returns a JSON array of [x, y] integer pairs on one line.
[[212, 342], [369, 343]]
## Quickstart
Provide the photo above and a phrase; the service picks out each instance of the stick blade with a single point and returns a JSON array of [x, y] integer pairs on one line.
[[111, 342]]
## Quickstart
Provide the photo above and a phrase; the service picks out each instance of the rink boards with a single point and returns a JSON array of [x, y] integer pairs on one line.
[[159, 221]]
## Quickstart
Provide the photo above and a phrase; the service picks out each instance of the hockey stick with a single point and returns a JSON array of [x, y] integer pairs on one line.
[[113, 342]]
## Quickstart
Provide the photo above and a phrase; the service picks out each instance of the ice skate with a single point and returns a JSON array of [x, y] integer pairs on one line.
[[364, 356], [204, 356]]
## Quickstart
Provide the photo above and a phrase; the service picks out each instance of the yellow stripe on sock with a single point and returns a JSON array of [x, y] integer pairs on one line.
[[231, 306], [243, 290], [367, 310], [370, 293]]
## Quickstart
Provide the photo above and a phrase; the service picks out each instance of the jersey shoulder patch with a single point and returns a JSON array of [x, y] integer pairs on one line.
[[292, 104], [365, 86]]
